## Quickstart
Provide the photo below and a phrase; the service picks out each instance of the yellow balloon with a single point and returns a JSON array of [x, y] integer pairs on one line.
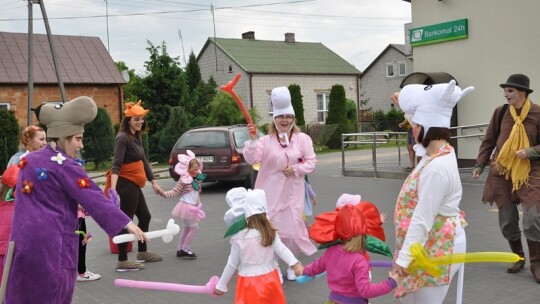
[[431, 264]]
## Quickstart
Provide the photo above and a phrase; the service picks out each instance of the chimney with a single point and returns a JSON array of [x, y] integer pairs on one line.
[[248, 35], [289, 37]]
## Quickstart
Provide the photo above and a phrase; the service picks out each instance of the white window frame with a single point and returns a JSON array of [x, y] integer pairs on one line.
[[325, 100], [5, 105], [270, 108], [400, 65], [390, 69]]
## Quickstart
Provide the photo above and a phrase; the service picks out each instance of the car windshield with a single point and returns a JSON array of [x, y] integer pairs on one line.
[[208, 139]]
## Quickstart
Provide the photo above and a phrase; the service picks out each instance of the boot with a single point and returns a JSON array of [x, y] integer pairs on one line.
[[534, 255], [517, 248]]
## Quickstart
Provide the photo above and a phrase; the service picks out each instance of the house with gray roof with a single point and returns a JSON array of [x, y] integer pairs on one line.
[[384, 76], [264, 65], [86, 68]]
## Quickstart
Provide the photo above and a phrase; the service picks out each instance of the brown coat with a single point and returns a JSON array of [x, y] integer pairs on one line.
[[497, 188]]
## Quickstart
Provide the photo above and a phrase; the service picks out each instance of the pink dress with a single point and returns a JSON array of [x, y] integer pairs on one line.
[[284, 194], [189, 199]]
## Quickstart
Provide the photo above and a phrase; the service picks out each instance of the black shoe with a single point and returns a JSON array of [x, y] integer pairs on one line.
[[188, 255]]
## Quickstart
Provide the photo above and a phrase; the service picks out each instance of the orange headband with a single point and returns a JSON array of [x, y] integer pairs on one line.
[[133, 109]]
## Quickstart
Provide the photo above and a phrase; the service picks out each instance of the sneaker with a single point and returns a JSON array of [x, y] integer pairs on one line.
[[290, 275], [188, 255], [123, 266], [88, 276], [148, 256]]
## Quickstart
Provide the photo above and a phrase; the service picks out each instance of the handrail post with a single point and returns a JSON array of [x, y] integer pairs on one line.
[[374, 154], [342, 156]]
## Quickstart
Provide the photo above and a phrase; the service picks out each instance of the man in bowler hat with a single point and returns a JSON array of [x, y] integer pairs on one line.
[[514, 169]]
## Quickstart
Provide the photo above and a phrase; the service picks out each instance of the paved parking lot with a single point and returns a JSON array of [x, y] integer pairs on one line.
[[484, 283]]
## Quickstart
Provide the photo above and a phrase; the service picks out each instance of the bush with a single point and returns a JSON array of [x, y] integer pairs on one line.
[[9, 137], [387, 121], [298, 104], [99, 139], [337, 115]]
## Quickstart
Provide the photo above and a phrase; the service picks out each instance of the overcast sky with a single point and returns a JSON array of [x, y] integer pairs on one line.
[[357, 30]]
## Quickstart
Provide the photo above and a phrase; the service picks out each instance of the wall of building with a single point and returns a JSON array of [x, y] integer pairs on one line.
[[105, 96], [376, 87], [502, 40], [262, 84], [310, 86]]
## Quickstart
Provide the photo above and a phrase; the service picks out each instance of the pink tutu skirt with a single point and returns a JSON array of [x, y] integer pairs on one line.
[[184, 211]]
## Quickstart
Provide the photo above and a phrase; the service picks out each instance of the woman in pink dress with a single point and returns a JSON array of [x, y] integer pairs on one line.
[[286, 155]]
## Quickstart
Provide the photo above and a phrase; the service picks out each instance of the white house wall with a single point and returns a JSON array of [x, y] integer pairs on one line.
[[262, 84], [502, 40], [310, 86], [376, 87]]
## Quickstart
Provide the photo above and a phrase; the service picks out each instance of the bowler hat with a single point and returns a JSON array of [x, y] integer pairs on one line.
[[518, 81]]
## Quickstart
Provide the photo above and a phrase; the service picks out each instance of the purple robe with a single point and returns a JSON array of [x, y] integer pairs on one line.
[[44, 266]]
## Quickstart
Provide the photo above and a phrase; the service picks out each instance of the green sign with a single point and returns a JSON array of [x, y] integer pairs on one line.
[[453, 30]]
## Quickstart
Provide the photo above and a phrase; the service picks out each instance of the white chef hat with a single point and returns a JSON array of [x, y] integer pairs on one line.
[[281, 102], [235, 199], [255, 202], [431, 105]]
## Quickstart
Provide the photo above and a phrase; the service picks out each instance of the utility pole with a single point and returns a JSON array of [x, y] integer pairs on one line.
[[215, 41], [30, 62], [107, 18], [31, 56], [182, 41]]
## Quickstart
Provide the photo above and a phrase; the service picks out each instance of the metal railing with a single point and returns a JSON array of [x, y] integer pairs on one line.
[[375, 139]]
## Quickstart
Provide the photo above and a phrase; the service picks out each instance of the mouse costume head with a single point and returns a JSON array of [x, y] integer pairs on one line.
[[431, 105], [67, 119]]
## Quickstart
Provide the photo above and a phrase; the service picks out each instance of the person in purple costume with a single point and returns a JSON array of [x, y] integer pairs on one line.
[[50, 186]]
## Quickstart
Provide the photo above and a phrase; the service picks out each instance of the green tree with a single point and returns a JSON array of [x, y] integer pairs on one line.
[[224, 111], [99, 139], [9, 136], [164, 86], [176, 126], [130, 91], [193, 73], [337, 114], [297, 103], [352, 116]]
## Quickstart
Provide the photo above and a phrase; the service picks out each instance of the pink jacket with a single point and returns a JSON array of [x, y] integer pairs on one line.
[[6, 213]]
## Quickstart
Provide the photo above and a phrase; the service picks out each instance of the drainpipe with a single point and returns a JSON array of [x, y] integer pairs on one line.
[[250, 90]]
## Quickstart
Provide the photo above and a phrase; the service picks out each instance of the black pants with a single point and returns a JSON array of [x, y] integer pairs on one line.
[[132, 202], [81, 266]]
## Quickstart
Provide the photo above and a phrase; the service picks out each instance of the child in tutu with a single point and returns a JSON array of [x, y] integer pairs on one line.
[[7, 205], [189, 207], [253, 252], [347, 228]]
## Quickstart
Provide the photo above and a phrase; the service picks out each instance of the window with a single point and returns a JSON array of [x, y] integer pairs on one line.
[[5, 105], [389, 70], [322, 106], [230, 68], [270, 108], [402, 68]]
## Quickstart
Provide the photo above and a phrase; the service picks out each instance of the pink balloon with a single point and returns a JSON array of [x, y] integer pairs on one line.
[[208, 288]]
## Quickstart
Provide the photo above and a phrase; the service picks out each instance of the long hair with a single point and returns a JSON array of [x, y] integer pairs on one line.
[[356, 244], [267, 230], [124, 127]]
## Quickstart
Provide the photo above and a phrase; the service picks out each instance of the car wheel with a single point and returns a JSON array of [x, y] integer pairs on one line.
[[249, 182]]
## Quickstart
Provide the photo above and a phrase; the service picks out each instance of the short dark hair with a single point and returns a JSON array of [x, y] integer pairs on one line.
[[434, 133]]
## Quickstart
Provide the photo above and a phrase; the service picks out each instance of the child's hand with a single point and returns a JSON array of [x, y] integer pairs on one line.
[[252, 132], [383, 217], [394, 275], [314, 200], [218, 292], [298, 269]]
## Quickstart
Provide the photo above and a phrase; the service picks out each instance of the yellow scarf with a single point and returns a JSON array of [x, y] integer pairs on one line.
[[507, 163]]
